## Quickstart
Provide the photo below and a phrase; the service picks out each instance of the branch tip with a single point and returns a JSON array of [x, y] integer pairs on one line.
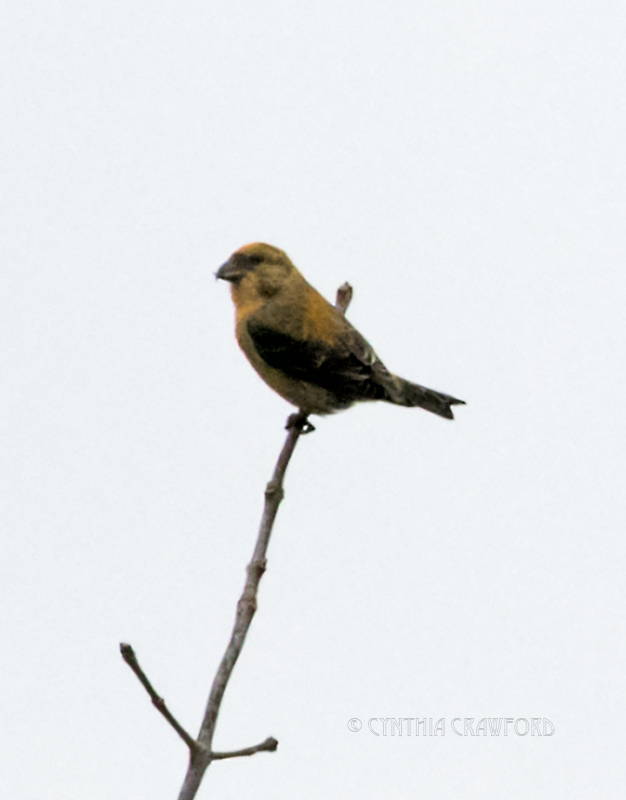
[[344, 297], [127, 651]]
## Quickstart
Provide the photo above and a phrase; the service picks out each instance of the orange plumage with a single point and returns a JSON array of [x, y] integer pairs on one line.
[[303, 347]]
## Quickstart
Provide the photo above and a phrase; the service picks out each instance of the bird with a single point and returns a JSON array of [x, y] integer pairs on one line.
[[303, 347]]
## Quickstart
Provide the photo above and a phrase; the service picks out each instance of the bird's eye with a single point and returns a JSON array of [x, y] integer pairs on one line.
[[255, 259]]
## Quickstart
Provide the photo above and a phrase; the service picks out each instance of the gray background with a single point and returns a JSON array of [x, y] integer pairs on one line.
[[462, 165]]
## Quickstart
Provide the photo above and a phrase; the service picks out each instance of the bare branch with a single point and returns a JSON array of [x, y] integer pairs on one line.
[[201, 757], [269, 744], [128, 654], [200, 753], [344, 296]]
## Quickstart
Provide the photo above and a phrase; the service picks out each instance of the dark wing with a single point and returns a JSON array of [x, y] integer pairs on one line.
[[349, 369]]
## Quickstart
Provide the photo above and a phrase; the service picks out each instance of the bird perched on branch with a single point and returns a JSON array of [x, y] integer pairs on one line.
[[305, 348]]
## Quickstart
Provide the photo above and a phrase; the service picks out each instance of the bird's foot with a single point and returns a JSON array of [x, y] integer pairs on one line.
[[300, 422]]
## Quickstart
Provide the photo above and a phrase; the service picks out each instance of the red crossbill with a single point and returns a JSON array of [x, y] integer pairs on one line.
[[305, 348]]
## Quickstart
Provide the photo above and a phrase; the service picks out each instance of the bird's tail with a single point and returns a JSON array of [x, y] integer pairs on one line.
[[404, 393]]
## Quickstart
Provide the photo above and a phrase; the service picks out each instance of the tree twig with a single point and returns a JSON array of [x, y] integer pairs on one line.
[[344, 296], [128, 654], [201, 756], [200, 753], [269, 744]]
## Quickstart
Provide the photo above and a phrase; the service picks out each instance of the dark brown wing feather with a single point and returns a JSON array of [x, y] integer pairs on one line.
[[349, 369]]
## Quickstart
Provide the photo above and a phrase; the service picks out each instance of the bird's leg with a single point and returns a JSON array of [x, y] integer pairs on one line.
[[300, 421]]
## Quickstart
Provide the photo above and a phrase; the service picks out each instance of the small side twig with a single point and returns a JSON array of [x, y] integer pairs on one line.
[[128, 654], [269, 744]]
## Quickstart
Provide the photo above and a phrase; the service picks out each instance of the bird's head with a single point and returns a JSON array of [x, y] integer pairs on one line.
[[256, 269]]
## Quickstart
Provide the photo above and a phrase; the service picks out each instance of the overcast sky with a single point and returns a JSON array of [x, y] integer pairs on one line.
[[463, 166]]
